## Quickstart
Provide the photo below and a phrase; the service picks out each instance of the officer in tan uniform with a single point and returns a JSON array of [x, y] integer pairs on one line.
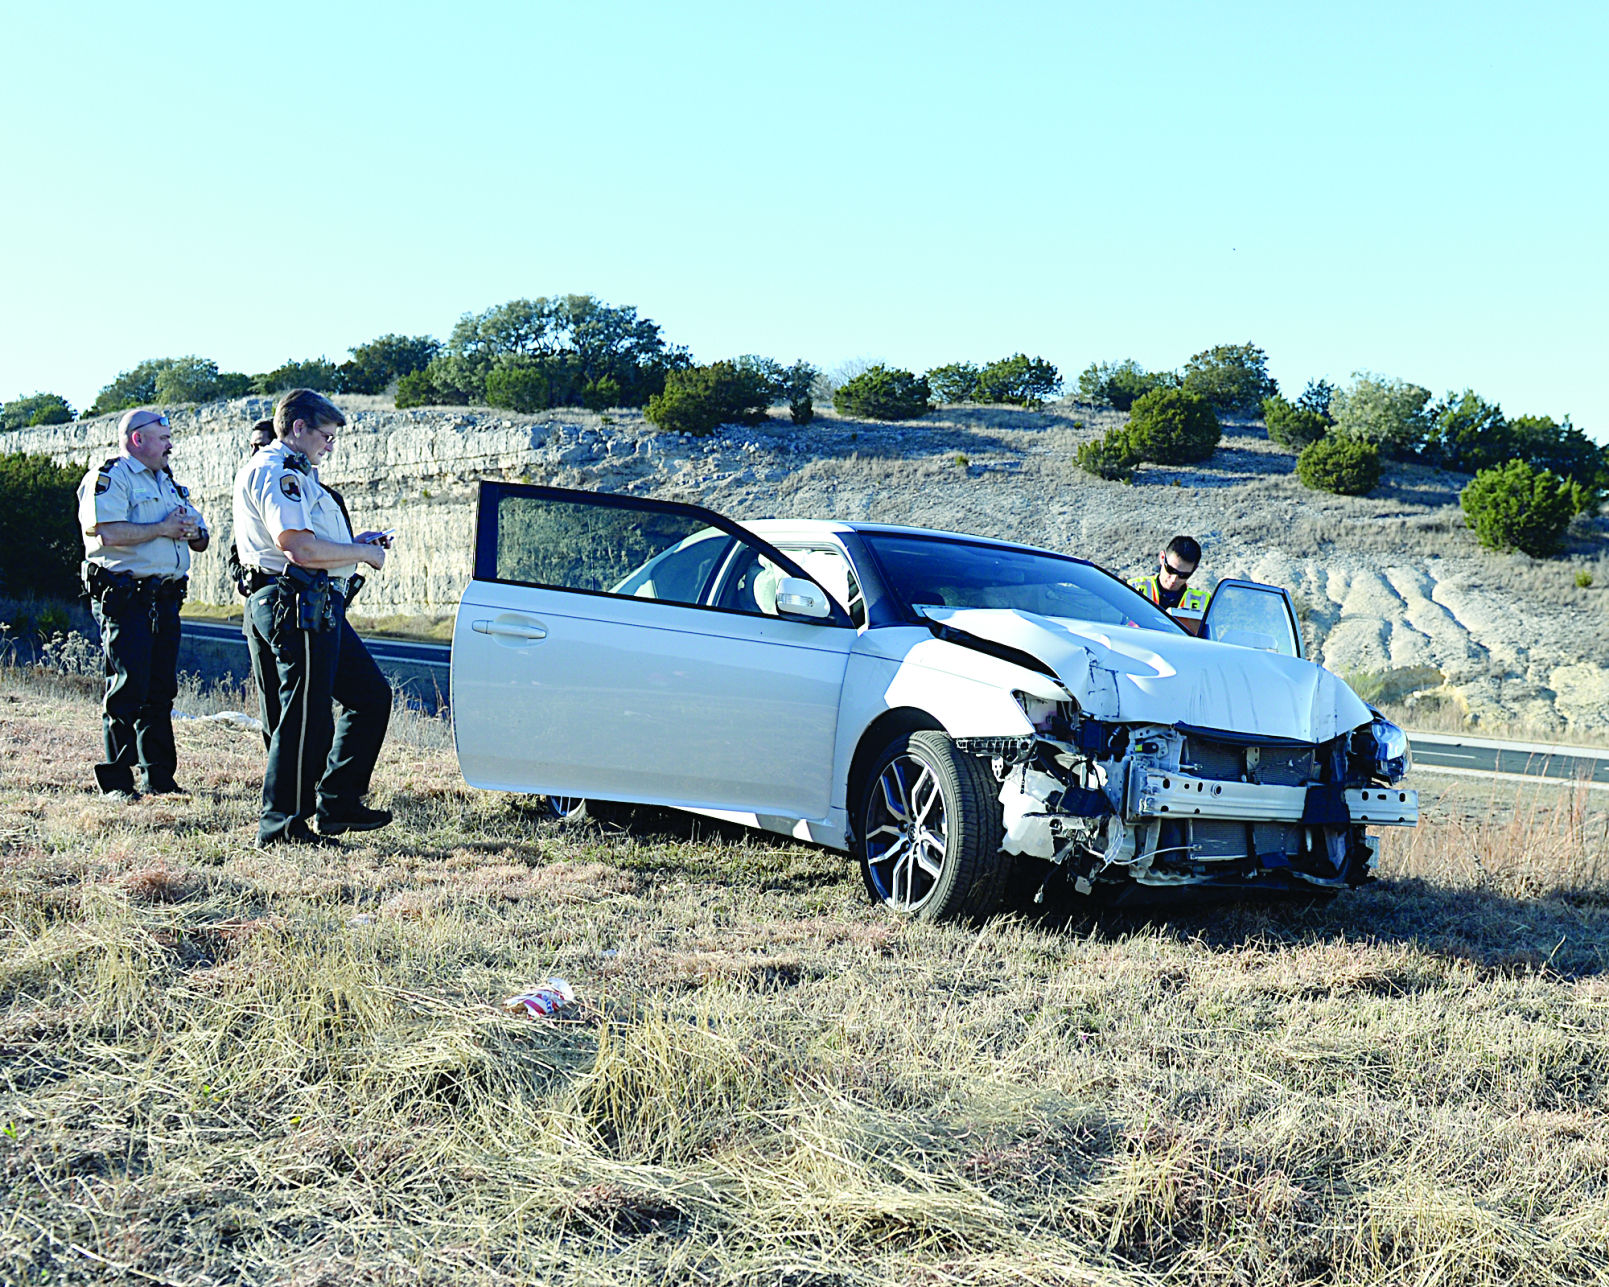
[[299, 554], [139, 528]]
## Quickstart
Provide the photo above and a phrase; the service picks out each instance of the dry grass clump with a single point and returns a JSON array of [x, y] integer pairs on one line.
[[218, 1065]]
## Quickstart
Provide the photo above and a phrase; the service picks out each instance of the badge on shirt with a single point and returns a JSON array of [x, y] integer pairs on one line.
[[289, 486]]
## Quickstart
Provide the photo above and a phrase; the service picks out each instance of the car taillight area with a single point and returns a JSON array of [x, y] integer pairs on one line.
[[1158, 805]]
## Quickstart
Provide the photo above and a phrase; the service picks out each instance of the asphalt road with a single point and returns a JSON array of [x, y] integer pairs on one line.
[[422, 668], [1487, 757], [418, 670]]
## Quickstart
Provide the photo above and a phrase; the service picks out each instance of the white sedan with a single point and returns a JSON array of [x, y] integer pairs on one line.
[[947, 708]]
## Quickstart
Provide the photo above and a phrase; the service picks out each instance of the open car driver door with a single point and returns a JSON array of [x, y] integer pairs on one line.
[[1253, 615]]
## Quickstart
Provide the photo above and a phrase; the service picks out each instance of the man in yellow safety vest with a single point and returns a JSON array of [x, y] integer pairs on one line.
[[1168, 587]]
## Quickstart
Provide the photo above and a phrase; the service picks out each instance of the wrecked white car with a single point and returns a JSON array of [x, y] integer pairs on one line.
[[951, 710]]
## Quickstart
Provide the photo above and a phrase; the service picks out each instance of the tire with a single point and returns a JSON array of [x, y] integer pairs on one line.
[[928, 831], [564, 807]]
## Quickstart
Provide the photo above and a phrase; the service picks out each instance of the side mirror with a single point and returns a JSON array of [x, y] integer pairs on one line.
[[797, 597]]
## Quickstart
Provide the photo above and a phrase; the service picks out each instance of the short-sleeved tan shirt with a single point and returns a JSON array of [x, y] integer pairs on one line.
[[123, 490], [277, 491]]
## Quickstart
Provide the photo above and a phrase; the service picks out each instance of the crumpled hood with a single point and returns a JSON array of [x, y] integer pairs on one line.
[[1148, 676]]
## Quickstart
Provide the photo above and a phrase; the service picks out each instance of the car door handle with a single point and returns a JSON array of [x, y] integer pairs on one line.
[[510, 629]]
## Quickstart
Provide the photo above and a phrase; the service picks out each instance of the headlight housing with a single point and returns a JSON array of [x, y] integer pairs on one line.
[[1392, 756]]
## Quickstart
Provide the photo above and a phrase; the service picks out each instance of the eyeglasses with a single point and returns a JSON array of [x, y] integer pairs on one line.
[[329, 434], [1183, 576]]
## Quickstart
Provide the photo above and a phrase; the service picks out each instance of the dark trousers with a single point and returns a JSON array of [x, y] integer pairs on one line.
[[264, 674], [317, 765], [140, 651]]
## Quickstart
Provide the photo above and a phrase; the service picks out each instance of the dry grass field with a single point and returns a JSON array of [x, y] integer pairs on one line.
[[225, 1066]]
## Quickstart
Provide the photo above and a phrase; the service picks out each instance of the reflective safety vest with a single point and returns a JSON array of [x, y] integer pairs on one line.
[[1192, 605]]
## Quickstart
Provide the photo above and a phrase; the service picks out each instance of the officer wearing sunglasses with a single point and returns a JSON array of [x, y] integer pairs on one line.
[[139, 528], [1169, 586]]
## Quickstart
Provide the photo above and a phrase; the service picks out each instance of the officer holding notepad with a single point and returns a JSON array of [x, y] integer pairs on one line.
[[300, 557]]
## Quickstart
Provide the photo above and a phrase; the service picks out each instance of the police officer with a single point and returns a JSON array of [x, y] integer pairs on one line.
[[299, 553], [139, 528], [262, 433], [1168, 587], [257, 651]]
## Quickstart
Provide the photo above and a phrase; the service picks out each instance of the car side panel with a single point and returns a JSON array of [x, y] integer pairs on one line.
[[631, 699]]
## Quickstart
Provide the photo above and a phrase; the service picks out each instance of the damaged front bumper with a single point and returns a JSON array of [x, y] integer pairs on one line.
[[1167, 806]]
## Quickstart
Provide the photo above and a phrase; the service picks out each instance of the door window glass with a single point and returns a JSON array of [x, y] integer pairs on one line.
[[750, 584], [1252, 616], [829, 569], [616, 549]]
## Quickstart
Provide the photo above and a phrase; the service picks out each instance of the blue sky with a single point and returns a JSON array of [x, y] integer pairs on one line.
[[1412, 189]]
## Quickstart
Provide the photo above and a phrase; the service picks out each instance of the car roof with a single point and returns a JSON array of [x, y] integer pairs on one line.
[[775, 529]]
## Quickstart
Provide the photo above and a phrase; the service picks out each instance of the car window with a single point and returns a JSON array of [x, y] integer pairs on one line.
[[749, 583], [829, 568], [1253, 616], [616, 548], [929, 571], [680, 574]]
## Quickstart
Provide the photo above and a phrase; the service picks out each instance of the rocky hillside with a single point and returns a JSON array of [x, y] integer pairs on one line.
[[1392, 586]]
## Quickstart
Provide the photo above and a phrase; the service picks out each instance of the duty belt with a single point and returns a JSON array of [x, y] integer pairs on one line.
[[260, 579]]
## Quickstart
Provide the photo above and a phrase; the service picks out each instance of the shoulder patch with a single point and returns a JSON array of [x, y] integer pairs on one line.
[[289, 486], [103, 483]]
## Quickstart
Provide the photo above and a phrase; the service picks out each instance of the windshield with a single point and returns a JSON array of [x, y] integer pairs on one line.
[[928, 571]]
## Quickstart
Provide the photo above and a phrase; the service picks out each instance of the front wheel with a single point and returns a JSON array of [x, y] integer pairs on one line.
[[929, 831]]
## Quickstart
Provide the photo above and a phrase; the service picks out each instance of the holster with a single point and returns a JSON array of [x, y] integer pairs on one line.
[[313, 597], [111, 588]]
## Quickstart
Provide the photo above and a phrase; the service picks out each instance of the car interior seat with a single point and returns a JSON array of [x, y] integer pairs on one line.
[[764, 581]]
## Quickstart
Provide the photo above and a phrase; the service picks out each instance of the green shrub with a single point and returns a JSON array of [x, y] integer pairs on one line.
[[1341, 465], [1517, 507], [575, 340], [601, 394], [133, 388], [1120, 384], [1111, 457], [1317, 396], [1292, 426], [197, 379], [1583, 580], [1384, 411], [1232, 378], [698, 400], [883, 393], [1469, 434], [416, 389], [373, 366], [36, 409], [1019, 379], [40, 547], [1566, 451], [517, 384], [803, 411], [315, 373], [956, 382], [1173, 427]]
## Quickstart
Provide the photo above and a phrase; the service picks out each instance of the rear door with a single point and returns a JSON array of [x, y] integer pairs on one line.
[[1253, 615], [591, 659]]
